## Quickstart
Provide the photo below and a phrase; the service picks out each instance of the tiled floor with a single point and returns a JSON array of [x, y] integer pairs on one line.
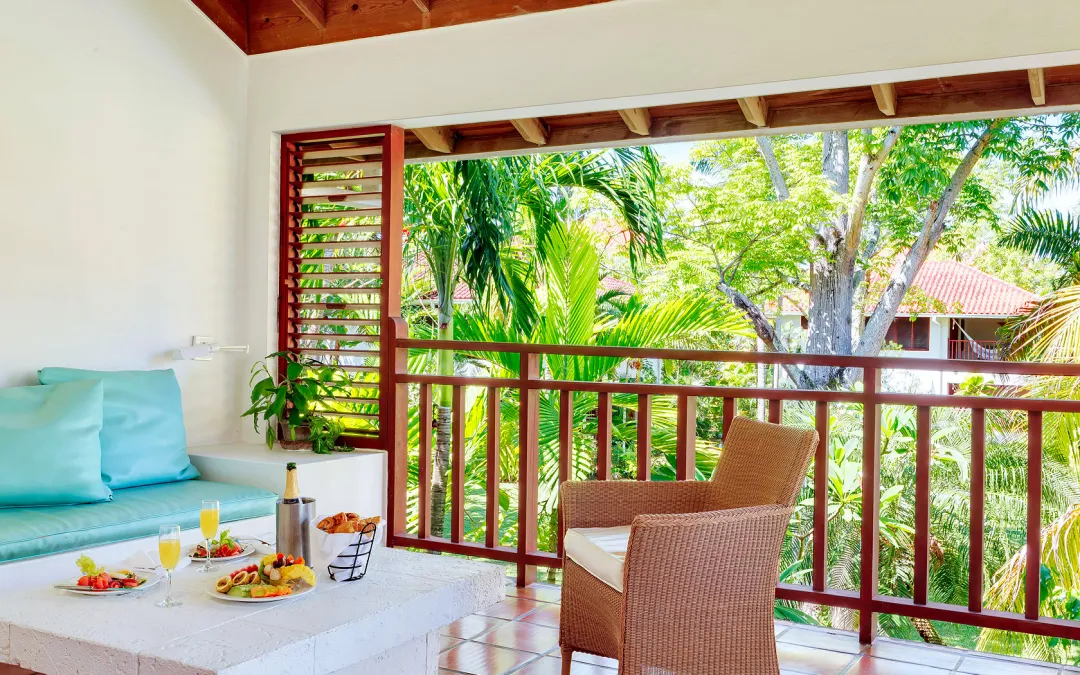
[[520, 635]]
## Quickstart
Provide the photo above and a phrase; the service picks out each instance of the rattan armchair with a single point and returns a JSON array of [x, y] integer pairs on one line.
[[694, 592]]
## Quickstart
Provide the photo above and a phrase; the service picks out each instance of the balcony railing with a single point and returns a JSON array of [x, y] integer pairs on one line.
[[975, 350], [867, 599]]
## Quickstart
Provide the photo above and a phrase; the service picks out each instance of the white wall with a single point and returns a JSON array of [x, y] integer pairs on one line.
[[619, 54], [121, 138]]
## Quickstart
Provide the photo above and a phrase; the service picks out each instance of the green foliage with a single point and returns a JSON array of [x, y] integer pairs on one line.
[[293, 401]]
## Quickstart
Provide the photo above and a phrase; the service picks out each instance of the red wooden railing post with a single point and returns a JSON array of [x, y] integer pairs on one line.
[[494, 428], [922, 505], [821, 497], [1033, 560], [423, 475], [566, 451], [871, 497], [397, 467], [528, 466], [603, 436], [644, 437], [978, 501], [457, 465], [686, 439]]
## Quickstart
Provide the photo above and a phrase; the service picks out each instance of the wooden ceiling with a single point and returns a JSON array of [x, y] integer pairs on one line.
[[260, 26], [984, 95]]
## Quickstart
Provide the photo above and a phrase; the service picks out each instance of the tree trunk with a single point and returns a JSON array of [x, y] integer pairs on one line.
[[440, 474]]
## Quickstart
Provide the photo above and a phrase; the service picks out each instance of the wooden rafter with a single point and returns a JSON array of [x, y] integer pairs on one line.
[[756, 110], [979, 96], [638, 120], [314, 11], [532, 129], [423, 5], [885, 96], [1037, 82], [438, 139]]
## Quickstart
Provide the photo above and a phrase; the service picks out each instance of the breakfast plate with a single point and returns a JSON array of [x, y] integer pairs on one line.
[[299, 592], [246, 549], [144, 579]]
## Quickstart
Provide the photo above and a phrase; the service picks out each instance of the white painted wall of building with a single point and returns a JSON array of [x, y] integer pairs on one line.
[[122, 132]]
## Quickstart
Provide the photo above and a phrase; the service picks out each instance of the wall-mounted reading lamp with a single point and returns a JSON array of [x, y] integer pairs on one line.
[[203, 348]]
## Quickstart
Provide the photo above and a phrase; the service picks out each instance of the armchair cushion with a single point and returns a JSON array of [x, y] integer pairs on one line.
[[601, 551]]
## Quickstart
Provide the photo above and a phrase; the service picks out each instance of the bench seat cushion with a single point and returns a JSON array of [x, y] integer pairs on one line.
[[133, 513]]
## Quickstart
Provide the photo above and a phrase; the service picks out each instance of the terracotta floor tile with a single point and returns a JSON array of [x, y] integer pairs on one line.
[[523, 636], [819, 639], [914, 653], [545, 616], [512, 608], [471, 626], [541, 592], [984, 666], [446, 642], [800, 659], [868, 665], [475, 658]]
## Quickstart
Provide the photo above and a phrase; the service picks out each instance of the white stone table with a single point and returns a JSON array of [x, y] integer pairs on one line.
[[387, 622]]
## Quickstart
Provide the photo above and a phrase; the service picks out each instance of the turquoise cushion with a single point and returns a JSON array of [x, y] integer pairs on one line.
[[133, 513], [50, 447], [142, 440]]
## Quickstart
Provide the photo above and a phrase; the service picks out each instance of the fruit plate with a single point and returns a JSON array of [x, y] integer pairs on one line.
[[72, 586], [212, 592], [248, 549]]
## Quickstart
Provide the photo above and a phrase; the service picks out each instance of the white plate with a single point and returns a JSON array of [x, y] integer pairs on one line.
[[152, 578], [248, 550], [232, 598]]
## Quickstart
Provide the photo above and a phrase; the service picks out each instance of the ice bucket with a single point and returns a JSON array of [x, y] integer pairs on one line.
[[293, 527]]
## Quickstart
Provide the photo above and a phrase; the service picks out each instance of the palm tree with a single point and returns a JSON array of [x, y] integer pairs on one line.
[[465, 218], [572, 313]]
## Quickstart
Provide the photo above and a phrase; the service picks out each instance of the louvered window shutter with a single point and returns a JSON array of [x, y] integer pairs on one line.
[[340, 263]]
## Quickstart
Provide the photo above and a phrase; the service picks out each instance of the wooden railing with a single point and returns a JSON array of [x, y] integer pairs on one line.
[[866, 599], [975, 350]]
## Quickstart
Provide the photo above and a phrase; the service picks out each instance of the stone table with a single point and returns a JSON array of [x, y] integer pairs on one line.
[[385, 623]]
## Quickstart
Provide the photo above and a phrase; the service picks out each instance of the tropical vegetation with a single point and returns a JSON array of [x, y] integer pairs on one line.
[[617, 248]]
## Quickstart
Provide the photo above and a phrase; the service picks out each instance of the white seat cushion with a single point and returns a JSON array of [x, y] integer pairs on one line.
[[600, 550]]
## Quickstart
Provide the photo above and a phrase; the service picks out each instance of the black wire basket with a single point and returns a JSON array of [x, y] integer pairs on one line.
[[352, 563]]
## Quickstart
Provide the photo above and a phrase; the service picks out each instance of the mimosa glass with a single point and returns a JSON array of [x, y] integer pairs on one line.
[[169, 552], [209, 519]]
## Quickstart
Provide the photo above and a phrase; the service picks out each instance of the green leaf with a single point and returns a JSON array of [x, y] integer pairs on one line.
[[261, 389], [88, 567], [293, 370]]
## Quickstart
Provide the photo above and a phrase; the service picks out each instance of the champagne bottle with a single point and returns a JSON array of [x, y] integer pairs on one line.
[[292, 484]]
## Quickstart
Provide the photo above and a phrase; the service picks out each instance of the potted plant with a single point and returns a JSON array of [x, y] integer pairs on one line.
[[289, 405]]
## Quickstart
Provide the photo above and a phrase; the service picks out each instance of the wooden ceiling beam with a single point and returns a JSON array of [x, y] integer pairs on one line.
[[1037, 82], [885, 96], [756, 110], [809, 117], [314, 11], [423, 5], [637, 120], [532, 130], [231, 16], [436, 139]]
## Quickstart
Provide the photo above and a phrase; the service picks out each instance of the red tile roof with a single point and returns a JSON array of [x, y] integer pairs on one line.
[[970, 291], [961, 289]]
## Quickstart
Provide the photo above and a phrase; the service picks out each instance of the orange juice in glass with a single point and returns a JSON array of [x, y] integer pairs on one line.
[[209, 519], [169, 552]]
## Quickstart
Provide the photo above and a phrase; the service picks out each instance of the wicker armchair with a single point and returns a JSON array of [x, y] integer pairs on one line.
[[688, 587]]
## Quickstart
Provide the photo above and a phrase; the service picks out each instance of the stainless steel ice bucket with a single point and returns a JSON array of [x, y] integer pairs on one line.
[[294, 527]]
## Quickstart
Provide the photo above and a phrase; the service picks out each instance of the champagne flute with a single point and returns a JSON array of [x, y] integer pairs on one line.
[[209, 519], [169, 552]]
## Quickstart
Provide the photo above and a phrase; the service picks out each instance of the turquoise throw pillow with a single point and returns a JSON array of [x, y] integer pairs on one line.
[[142, 440], [50, 446]]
